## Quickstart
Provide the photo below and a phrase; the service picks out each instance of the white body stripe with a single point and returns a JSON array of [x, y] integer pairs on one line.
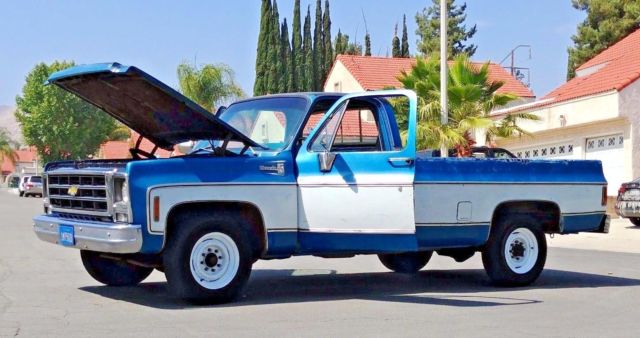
[[438, 203], [277, 203]]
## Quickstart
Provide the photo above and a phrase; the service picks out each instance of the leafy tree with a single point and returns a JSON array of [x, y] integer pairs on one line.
[[404, 50], [307, 47], [209, 85], [472, 96], [297, 54], [457, 33], [606, 23], [286, 70], [7, 147], [259, 86], [326, 38], [367, 44], [318, 48], [396, 50], [340, 45], [59, 124], [343, 46]]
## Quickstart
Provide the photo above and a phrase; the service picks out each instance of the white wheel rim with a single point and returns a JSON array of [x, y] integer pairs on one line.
[[521, 250], [214, 260]]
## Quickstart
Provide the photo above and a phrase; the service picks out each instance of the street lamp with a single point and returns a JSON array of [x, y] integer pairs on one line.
[[444, 117]]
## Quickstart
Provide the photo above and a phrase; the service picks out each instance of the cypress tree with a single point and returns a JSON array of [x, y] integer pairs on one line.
[[297, 55], [326, 38], [274, 62], [262, 50], [396, 51], [285, 59], [307, 47], [404, 49], [339, 44], [318, 48], [367, 45]]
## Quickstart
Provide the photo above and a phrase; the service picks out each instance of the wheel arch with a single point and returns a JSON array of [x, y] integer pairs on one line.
[[247, 211], [548, 212]]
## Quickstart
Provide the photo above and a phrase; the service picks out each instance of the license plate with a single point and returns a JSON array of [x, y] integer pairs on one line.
[[66, 235]]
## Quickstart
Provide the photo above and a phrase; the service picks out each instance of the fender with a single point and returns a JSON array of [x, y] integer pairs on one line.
[[277, 202]]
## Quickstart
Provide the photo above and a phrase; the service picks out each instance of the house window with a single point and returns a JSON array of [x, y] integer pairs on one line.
[[337, 86]]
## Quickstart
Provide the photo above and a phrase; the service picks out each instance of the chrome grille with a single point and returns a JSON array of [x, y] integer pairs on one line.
[[89, 197]]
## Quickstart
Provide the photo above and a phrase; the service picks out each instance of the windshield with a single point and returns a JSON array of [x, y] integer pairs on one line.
[[270, 122]]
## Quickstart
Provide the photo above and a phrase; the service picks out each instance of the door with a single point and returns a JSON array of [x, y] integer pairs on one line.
[[609, 150], [355, 178]]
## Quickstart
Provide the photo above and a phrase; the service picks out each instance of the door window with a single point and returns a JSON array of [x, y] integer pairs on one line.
[[354, 127]]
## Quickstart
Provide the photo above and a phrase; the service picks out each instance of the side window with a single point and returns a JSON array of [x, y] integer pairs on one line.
[[358, 131], [353, 127]]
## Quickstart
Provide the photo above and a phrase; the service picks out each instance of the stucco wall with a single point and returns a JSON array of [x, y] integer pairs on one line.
[[587, 110], [629, 106], [340, 75]]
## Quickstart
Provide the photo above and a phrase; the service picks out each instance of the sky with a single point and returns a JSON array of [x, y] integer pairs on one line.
[[157, 35]]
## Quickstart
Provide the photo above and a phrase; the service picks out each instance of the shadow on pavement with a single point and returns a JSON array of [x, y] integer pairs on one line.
[[283, 286]]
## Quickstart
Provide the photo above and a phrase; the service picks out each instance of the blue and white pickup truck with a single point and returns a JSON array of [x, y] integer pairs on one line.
[[324, 174]]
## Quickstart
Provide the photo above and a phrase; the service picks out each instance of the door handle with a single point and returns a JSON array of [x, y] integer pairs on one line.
[[401, 161]]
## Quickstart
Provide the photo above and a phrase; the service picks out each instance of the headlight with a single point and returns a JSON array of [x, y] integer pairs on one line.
[[120, 190]]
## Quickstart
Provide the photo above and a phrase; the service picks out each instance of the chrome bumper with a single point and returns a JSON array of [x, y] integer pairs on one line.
[[628, 208], [94, 236]]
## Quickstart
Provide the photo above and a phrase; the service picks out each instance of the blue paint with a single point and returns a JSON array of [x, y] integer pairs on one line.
[[452, 236], [431, 237], [577, 223], [429, 170]]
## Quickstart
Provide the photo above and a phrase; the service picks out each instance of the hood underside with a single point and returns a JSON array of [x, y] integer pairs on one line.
[[144, 104]]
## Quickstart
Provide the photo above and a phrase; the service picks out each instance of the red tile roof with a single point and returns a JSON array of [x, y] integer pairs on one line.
[[375, 73], [619, 67]]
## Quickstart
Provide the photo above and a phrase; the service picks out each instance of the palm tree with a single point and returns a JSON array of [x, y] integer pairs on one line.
[[471, 98], [208, 85], [7, 148]]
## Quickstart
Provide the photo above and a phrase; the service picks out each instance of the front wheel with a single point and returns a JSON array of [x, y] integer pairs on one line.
[[209, 260], [113, 272], [21, 194], [408, 262], [516, 252], [635, 221]]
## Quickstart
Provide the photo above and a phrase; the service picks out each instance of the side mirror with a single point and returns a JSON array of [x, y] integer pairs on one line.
[[326, 160]]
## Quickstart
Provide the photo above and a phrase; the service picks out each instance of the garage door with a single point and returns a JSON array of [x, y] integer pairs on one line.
[[556, 151], [609, 150]]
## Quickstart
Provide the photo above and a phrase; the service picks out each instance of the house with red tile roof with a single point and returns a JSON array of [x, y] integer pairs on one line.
[[595, 115], [354, 73], [26, 163]]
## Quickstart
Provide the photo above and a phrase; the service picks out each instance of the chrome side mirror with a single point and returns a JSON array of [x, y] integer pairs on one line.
[[326, 160]]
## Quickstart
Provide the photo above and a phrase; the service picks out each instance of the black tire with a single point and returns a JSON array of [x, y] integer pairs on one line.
[[635, 221], [408, 262], [113, 272], [494, 258], [21, 194], [194, 228]]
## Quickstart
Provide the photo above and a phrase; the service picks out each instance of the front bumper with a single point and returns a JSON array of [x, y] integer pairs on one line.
[[628, 208], [94, 236]]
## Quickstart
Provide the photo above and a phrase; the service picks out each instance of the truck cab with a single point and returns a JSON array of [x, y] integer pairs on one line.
[[325, 174]]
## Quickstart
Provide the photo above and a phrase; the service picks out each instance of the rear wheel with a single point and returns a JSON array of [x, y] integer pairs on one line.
[[635, 221], [21, 194], [209, 260], [408, 262], [516, 251], [113, 272]]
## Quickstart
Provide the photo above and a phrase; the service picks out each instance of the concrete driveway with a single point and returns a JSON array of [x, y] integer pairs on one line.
[[591, 291]]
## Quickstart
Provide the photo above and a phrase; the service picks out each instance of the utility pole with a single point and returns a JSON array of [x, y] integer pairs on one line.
[[444, 116]]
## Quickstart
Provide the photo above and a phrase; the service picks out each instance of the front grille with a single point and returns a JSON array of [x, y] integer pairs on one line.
[[74, 192]]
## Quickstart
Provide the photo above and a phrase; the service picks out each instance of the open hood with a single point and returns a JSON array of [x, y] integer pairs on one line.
[[144, 104]]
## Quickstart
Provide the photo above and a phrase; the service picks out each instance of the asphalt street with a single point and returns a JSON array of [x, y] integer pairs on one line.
[[44, 291]]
